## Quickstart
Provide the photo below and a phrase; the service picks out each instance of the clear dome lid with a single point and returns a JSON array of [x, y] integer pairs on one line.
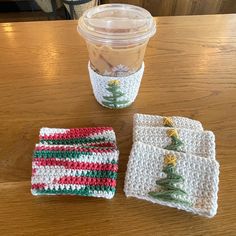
[[117, 24]]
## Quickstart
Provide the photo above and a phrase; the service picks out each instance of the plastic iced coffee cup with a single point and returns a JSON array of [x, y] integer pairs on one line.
[[116, 36]]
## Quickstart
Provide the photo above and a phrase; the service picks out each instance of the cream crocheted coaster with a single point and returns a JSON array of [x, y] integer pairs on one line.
[[195, 179], [200, 143], [160, 121], [115, 92]]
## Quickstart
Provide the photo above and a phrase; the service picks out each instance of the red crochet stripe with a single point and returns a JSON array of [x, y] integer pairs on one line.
[[72, 148], [75, 165], [38, 186], [86, 181], [76, 133]]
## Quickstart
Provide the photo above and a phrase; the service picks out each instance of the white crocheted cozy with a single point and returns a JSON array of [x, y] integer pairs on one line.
[[115, 92], [200, 143], [158, 121], [200, 175]]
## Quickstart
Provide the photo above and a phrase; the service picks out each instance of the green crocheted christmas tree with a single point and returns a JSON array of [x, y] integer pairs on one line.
[[114, 101], [169, 192], [176, 143]]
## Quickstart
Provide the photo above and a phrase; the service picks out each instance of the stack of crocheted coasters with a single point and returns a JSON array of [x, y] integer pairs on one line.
[[82, 161], [172, 163]]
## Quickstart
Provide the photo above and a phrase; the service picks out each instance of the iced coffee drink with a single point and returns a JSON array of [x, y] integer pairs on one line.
[[116, 61], [116, 36]]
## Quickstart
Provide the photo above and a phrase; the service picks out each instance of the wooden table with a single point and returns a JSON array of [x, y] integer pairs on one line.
[[190, 71]]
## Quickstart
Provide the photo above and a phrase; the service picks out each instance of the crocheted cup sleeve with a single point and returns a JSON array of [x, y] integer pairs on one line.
[[160, 121], [115, 91], [74, 170], [173, 179], [92, 136], [200, 143]]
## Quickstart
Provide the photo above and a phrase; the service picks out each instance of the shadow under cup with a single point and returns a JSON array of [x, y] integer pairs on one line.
[[116, 37]]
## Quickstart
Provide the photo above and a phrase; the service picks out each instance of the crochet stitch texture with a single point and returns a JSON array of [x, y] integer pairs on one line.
[[201, 178], [58, 169], [201, 143], [80, 161], [128, 85], [158, 121], [92, 136], [172, 163]]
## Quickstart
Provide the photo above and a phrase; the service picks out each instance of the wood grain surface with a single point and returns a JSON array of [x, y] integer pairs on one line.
[[190, 71]]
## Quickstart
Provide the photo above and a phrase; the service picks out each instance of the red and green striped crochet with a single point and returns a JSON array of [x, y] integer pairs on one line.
[[94, 136], [74, 170]]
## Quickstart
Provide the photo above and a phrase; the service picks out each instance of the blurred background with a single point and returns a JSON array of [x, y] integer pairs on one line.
[[34, 10]]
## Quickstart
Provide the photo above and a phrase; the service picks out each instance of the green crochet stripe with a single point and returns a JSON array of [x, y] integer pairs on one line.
[[60, 154], [86, 191], [98, 174], [64, 155], [73, 141]]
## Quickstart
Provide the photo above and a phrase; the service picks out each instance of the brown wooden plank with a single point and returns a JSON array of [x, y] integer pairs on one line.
[[159, 7], [200, 7], [133, 2], [183, 7], [228, 6]]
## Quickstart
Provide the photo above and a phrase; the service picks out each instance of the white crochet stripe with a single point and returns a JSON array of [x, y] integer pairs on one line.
[[107, 134], [51, 131], [46, 174], [39, 179], [89, 159], [157, 121], [107, 195], [57, 171], [201, 177], [103, 194], [201, 143]]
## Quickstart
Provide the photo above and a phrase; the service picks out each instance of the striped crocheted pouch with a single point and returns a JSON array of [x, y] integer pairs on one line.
[[73, 169], [94, 136]]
